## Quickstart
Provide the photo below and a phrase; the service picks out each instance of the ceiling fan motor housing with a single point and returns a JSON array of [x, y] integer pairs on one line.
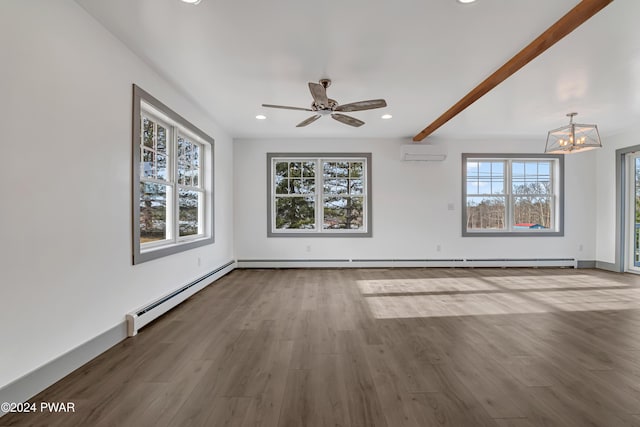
[[324, 108]]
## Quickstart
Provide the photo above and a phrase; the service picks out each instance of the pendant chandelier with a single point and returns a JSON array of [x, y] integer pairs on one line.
[[573, 138]]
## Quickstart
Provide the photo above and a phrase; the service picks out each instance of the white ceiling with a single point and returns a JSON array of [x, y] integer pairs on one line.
[[422, 56]]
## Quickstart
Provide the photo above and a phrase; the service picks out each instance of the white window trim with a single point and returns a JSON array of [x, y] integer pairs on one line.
[[319, 231], [557, 176], [145, 104]]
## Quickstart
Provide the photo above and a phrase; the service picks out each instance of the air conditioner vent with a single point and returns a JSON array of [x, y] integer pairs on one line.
[[422, 153]]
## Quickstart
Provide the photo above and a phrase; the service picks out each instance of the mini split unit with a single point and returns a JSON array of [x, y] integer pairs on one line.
[[422, 153]]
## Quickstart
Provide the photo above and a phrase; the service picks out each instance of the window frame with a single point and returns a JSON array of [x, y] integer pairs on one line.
[[319, 194], [557, 178], [144, 104]]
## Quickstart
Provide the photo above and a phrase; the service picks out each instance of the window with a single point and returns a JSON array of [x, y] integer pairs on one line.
[[319, 194], [172, 184], [512, 195]]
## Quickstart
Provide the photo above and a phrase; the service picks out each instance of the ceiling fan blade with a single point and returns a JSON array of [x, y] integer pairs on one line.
[[319, 94], [284, 107], [308, 121], [347, 120], [362, 105]]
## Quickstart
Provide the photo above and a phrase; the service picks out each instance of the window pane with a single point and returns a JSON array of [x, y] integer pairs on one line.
[[336, 169], [531, 177], [186, 160], [295, 169], [342, 213], [532, 213], [544, 170], [308, 186], [336, 186], [153, 212], [356, 186], [147, 132], [282, 169], [517, 169], [309, 169], [472, 187], [188, 212], [356, 169], [182, 143], [485, 177], [162, 139], [497, 186], [486, 213], [472, 169], [531, 169], [195, 156], [294, 186], [146, 167], [161, 167], [195, 178], [282, 185], [296, 213]]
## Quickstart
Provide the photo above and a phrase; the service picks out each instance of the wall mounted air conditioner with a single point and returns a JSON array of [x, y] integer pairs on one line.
[[422, 153]]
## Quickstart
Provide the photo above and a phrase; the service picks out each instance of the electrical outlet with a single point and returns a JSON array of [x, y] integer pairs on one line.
[[308, 248], [438, 248], [580, 247], [199, 261], [451, 206]]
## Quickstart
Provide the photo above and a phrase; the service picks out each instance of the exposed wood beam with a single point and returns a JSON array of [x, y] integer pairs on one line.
[[569, 22]]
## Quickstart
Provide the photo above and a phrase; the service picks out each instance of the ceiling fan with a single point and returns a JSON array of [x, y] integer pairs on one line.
[[323, 106]]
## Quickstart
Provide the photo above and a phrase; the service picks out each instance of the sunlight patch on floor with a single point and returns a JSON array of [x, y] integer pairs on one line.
[[475, 296], [400, 286]]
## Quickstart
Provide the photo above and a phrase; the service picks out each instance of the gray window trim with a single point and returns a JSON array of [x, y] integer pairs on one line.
[[560, 207], [367, 156], [140, 257]]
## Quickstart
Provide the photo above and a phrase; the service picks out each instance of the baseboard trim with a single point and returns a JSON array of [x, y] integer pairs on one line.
[[39, 379], [390, 263], [609, 266], [581, 263]]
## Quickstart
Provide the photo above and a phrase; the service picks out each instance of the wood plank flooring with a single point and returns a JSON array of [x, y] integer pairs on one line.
[[374, 347]]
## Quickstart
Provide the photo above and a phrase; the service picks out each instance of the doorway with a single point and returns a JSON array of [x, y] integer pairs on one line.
[[632, 213]]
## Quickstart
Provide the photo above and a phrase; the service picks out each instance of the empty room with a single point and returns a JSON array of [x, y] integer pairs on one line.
[[341, 213]]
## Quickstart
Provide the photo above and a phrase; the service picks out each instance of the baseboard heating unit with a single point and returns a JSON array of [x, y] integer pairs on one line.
[[145, 315], [390, 263]]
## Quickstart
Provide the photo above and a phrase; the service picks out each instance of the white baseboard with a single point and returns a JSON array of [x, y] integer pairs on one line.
[[39, 379]]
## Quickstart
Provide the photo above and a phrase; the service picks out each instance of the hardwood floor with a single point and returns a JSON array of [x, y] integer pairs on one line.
[[374, 347]]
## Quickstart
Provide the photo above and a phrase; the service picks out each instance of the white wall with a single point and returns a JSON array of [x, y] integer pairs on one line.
[[410, 215], [606, 194], [65, 120]]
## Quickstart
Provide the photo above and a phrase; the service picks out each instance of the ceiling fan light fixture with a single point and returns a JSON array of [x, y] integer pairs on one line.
[[573, 138], [386, 116], [191, 1], [322, 105], [466, 1], [261, 117]]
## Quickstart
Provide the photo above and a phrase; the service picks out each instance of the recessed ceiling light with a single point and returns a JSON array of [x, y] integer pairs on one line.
[[459, 1], [191, 1], [386, 116], [261, 117]]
